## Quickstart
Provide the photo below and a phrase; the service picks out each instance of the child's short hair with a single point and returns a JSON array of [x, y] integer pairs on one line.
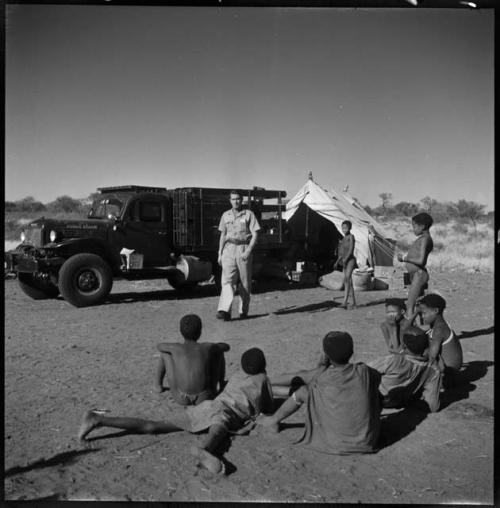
[[423, 219], [415, 340], [347, 223], [338, 346], [395, 302], [434, 301], [236, 192], [190, 327], [253, 361]]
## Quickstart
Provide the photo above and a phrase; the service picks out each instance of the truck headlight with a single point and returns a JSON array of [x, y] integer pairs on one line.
[[53, 236], [23, 236]]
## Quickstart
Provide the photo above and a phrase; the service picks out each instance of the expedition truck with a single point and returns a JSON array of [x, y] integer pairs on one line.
[[135, 232]]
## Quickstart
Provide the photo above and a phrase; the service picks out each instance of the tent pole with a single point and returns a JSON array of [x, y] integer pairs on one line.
[[307, 228]]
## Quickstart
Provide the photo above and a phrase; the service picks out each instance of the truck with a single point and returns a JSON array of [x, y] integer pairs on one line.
[[135, 232]]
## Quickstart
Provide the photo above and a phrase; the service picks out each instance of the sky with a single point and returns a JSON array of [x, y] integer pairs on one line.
[[383, 100]]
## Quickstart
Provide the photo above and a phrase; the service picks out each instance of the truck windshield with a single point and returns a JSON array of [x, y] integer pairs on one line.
[[105, 209]]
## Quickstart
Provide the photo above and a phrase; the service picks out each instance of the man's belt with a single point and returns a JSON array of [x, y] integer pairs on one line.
[[234, 241]]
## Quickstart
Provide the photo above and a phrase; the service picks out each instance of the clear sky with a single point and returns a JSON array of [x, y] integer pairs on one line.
[[397, 100]]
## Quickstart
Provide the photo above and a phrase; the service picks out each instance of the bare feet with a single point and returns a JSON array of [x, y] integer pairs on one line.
[[207, 460], [90, 422], [343, 306], [270, 423]]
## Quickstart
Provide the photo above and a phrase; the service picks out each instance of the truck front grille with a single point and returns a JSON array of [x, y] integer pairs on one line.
[[34, 236]]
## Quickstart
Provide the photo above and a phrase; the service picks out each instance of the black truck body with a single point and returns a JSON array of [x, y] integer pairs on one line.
[[137, 232]]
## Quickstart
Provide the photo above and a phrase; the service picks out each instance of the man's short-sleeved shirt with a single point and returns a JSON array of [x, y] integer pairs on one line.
[[238, 226]]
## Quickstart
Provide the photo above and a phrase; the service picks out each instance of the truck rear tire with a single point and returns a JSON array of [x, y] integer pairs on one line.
[[85, 279], [36, 288]]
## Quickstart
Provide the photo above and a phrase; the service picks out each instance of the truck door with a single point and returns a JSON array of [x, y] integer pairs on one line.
[[146, 229]]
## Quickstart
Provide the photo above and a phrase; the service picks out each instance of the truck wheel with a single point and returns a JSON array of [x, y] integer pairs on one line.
[[85, 279], [36, 288]]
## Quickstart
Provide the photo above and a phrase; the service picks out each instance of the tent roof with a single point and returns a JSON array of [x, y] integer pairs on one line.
[[338, 207]]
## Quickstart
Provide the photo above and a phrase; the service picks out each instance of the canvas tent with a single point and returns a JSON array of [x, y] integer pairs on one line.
[[372, 244]]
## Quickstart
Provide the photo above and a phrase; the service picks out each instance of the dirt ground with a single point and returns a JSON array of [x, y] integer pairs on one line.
[[61, 361]]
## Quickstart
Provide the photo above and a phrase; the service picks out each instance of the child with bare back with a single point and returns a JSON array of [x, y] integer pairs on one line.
[[444, 348], [195, 371], [342, 401], [235, 410], [416, 259], [395, 324], [346, 259]]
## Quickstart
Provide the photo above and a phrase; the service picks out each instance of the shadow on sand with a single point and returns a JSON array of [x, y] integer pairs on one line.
[[476, 333], [313, 307], [200, 291], [396, 426], [56, 460], [462, 383]]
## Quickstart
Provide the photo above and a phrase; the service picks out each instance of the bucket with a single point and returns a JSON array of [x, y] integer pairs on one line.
[[194, 269], [362, 279]]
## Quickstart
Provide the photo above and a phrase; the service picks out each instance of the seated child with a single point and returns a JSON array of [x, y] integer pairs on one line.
[[342, 402], [444, 346], [395, 324], [408, 376], [416, 259], [246, 394], [193, 369]]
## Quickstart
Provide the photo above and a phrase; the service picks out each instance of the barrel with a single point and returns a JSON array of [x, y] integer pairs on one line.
[[194, 269], [362, 279]]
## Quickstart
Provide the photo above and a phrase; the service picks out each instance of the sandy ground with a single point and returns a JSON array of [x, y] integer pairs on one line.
[[61, 361]]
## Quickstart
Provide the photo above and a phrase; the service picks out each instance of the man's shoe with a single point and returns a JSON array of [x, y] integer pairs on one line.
[[243, 315], [222, 314]]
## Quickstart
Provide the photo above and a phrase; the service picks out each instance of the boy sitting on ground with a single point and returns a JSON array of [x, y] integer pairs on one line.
[[342, 402], [444, 346], [245, 396], [195, 371], [395, 324], [408, 376]]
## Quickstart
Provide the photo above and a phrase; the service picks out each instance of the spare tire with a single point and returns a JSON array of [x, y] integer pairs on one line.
[[85, 279]]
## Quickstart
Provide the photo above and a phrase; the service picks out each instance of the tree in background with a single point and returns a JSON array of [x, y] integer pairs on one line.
[[29, 205], [386, 198], [65, 204], [406, 208], [428, 204], [470, 210]]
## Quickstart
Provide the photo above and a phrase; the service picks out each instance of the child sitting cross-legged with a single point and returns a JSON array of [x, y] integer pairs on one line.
[[408, 377]]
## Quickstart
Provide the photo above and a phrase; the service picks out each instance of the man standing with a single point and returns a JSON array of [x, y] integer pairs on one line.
[[238, 229]]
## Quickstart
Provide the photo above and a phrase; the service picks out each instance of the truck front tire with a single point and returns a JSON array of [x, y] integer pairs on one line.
[[85, 279], [36, 288]]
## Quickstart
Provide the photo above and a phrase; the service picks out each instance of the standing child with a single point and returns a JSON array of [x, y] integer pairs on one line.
[[444, 347], [195, 371], [395, 324], [342, 403], [246, 395], [416, 259], [346, 259]]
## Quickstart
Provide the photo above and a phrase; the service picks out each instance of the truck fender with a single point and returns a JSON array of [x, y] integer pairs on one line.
[[95, 246]]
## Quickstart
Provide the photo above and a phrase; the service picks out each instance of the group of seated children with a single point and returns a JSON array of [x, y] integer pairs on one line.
[[342, 400]]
